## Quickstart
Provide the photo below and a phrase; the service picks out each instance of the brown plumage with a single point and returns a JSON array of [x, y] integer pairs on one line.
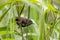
[[24, 21]]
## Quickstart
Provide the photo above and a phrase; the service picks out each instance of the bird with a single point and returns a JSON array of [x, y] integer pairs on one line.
[[23, 21]]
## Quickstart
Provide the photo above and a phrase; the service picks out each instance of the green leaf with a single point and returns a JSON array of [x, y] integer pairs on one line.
[[9, 39], [9, 36], [46, 15], [3, 4], [3, 15], [34, 1], [8, 2], [4, 28], [52, 8]]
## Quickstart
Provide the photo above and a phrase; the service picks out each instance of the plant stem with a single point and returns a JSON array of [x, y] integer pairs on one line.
[[22, 9], [28, 18], [17, 6], [28, 12]]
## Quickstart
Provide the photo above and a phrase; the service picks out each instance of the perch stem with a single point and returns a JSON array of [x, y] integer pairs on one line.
[[17, 6]]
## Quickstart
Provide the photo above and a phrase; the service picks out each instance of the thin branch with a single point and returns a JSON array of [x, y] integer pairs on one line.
[[22, 9], [29, 12], [19, 13]]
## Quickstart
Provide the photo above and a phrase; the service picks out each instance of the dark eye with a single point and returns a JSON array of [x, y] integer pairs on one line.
[[17, 19]]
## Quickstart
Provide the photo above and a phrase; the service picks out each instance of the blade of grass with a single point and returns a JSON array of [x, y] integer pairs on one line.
[[18, 12], [3, 15]]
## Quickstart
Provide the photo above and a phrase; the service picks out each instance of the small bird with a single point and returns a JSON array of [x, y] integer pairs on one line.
[[24, 21]]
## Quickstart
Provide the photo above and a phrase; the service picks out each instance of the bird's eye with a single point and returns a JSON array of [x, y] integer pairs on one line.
[[17, 19]]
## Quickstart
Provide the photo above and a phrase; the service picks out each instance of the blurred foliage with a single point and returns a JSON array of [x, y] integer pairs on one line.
[[45, 15]]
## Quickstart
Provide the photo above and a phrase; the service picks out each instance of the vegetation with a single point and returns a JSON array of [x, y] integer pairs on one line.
[[45, 15]]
